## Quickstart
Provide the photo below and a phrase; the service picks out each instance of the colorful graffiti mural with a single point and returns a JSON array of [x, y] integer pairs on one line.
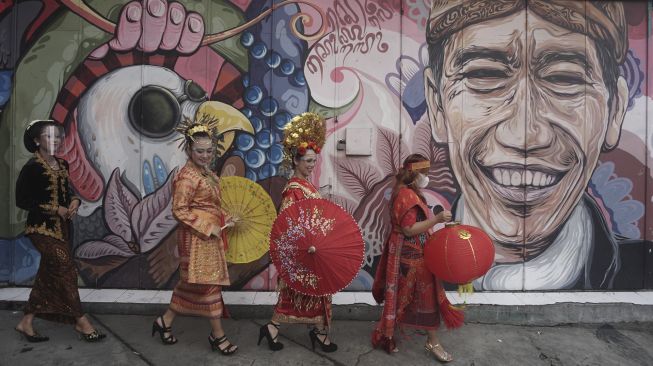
[[535, 115]]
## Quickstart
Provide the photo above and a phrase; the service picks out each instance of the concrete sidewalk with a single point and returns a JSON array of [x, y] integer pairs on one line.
[[514, 308], [129, 343]]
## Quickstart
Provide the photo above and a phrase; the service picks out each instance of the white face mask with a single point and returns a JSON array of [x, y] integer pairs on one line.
[[421, 181]]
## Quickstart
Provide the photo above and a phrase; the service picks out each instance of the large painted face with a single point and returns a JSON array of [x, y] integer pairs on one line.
[[304, 165], [525, 112]]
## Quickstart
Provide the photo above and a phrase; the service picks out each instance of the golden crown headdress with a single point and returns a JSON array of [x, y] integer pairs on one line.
[[304, 131], [188, 128]]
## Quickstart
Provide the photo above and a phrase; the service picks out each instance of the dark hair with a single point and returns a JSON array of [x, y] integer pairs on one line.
[[607, 61], [190, 140], [406, 177], [33, 132]]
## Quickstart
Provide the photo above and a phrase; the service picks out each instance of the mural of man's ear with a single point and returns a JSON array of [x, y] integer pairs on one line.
[[434, 108], [617, 115]]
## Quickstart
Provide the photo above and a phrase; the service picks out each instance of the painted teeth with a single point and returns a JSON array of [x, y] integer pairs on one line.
[[520, 178]]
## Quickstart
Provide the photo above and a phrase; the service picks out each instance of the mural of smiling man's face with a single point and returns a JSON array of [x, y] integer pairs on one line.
[[525, 107]]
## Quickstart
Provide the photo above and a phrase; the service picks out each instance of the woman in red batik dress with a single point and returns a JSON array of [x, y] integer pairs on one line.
[[304, 137], [412, 296]]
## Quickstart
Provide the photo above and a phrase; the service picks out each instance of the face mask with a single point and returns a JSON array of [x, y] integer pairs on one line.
[[421, 181], [51, 139]]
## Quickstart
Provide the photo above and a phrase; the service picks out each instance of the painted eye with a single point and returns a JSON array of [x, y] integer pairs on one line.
[[155, 111]]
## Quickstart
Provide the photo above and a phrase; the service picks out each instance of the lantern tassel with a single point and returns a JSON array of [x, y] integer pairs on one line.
[[464, 290], [467, 288]]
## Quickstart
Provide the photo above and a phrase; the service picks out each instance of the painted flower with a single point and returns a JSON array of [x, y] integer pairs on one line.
[[136, 225], [631, 71], [408, 82], [623, 212]]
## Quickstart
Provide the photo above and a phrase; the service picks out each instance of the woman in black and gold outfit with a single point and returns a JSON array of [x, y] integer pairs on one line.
[[42, 189]]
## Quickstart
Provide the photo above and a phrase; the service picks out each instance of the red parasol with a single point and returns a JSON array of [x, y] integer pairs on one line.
[[316, 246]]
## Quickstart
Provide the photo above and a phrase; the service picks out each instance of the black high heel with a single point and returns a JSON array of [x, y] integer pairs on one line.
[[162, 329], [92, 337], [272, 342], [216, 342], [313, 335], [34, 338]]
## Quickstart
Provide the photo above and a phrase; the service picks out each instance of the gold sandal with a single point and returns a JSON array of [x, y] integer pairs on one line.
[[438, 352]]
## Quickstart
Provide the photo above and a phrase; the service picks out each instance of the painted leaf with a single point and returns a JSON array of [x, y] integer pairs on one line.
[[347, 204], [119, 201], [440, 176], [391, 151], [357, 176], [373, 217], [112, 245], [152, 219], [422, 141]]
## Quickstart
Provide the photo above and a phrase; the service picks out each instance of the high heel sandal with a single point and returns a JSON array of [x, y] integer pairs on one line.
[[438, 352], [34, 338], [272, 342], [313, 335], [162, 329], [92, 337], [229, 350]]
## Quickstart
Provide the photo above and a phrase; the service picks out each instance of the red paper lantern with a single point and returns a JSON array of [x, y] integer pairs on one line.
[[458, 253]]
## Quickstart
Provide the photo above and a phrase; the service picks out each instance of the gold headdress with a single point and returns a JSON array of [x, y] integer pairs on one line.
[[188, 128], [303, 132]]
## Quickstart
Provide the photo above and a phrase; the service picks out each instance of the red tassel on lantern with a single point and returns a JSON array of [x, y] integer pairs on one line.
[[458, 253]]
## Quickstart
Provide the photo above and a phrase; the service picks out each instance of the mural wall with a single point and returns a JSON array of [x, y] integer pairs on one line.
[[536, 116]]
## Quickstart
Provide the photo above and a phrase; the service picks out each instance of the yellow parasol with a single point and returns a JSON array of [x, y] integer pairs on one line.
[[253, 212]]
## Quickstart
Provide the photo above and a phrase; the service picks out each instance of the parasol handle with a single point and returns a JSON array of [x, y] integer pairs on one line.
[[231, 224], [312, 249]]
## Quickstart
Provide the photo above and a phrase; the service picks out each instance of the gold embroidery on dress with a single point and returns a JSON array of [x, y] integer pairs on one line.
[[57, 179], [206, 258]]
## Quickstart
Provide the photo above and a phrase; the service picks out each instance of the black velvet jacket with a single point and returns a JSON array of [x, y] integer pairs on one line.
[[40, 190]]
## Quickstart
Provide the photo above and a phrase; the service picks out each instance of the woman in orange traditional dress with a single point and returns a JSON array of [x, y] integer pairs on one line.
[[304, 137], [412, 296], [201, 240]]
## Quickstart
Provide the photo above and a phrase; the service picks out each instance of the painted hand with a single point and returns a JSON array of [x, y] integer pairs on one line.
[[151, 25]]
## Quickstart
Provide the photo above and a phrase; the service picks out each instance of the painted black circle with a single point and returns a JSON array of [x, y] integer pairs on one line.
[[154, 111]]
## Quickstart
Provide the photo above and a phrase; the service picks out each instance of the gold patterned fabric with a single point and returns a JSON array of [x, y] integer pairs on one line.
[[195, 204], [41, 190], [603, 21], [203, 265], [54, 295]]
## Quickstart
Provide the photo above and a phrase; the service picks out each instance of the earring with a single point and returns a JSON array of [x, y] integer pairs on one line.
[[37, 144]]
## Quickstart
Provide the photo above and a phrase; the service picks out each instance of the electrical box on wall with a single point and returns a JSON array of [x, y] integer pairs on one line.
[[358, 141]]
